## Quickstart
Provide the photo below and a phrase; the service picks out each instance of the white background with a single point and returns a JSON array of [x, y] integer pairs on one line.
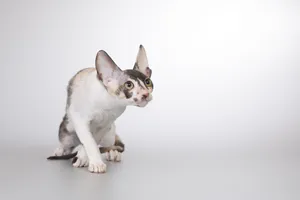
[[224, 121], [226, 73]]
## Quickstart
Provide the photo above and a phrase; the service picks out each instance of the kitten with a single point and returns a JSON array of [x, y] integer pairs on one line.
[[96, 98]]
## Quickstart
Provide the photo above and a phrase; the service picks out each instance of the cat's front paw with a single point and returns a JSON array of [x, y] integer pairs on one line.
[[97, 167], [113, 155]]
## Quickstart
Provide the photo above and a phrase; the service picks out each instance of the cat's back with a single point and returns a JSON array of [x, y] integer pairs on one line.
[[82, 85], [83, 79], [81, 76]]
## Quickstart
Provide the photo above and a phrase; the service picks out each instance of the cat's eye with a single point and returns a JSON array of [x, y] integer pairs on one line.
[[128, 85], [148, 82]]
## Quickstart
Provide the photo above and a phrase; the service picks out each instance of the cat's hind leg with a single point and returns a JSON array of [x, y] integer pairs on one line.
[[112, 145], [67, 138], [114, 153]]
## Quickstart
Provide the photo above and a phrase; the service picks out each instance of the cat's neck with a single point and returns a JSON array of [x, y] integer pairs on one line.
[[101, 97]]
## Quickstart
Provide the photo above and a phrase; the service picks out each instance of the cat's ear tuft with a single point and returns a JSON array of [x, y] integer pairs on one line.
[[106, 67], [141, 63]]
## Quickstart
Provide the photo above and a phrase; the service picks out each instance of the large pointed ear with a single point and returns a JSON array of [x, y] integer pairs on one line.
[[141, 63], [106, 68]]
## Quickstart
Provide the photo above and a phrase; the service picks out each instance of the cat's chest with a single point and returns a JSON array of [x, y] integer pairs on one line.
[[102, 118]]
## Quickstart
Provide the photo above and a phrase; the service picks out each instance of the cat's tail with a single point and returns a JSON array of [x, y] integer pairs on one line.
[[63, 157], [119, 146]]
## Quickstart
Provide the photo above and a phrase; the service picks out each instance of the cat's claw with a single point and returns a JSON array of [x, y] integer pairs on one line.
[[113, 155], [97, 167]]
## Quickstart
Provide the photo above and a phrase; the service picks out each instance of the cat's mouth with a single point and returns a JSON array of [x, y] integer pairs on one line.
[[142, 104]]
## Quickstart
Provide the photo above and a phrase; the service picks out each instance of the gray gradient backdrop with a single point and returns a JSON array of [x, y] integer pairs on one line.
[[224, 122]]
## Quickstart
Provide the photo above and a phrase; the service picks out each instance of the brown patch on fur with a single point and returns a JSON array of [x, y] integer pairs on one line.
[[118, 142], [137, 75], [99, 76], [127, 93], [108, 149], [148, 72], [63, 128], [136, 66], [118, 91]]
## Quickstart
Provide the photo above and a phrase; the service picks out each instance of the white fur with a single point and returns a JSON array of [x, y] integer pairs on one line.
[[94, 107], [91, 102]]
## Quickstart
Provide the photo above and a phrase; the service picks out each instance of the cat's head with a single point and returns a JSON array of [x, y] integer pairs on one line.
[[131, 86]]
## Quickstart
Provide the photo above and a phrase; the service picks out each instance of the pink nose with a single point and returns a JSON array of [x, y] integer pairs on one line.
[[145, 96]]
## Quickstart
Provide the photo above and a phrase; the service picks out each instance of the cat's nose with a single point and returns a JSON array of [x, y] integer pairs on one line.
[[145, 96]]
